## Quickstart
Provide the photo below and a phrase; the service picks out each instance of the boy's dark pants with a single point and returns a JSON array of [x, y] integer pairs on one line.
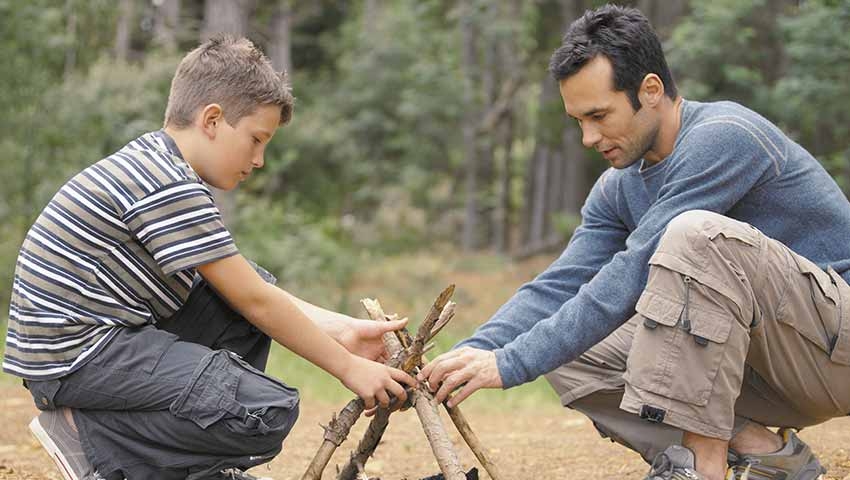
[[176, 401]]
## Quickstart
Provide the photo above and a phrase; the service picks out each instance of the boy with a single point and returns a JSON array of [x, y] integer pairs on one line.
[[142, 368]]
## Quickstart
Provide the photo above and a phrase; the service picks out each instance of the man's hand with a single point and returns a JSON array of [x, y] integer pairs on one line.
[[363, 337], [469, 368]]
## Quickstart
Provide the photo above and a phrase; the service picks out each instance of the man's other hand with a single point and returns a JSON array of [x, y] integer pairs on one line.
[[467, 368]]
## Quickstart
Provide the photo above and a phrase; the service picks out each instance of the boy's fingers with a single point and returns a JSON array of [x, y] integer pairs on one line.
[[383, 398], [401, 376], [370, 412], [369, 402], [398, 391]]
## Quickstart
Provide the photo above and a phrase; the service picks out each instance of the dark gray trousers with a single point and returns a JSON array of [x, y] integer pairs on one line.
[[182, 400]]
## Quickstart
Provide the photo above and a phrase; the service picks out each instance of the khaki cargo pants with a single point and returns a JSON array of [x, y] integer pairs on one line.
[[732, 327]]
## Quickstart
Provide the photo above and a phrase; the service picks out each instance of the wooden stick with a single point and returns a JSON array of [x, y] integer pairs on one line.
[[335, 433], [424, 331], [367, 445], [437, 436], [446, 315], [472, 440]]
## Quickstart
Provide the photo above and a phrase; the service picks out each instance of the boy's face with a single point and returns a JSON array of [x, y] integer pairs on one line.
[[234, 151]]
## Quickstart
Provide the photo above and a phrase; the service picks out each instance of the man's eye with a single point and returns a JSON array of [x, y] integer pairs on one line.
[[598, 117]]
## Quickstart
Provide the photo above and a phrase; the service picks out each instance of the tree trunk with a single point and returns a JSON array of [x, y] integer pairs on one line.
[[225, 16], [280, 49], [167, 24], [71, 32], [469, 37], [124, 30]]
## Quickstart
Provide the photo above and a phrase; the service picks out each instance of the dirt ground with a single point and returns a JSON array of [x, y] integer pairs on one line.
[[527, 444]]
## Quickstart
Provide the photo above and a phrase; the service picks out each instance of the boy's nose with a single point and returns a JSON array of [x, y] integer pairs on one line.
[[259, 162]]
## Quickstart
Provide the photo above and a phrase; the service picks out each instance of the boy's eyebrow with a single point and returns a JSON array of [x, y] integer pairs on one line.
[[263, 133]]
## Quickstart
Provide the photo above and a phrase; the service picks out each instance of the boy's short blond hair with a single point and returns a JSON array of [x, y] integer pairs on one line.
[[231, 72]]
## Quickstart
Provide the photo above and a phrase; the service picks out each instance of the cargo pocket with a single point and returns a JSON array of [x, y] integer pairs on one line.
[[677, 354], [819, 325], [211, 394]]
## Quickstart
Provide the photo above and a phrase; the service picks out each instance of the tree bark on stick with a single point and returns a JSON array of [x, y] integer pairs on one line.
[[335, 433], [439, 440], [367, 445], [474, 444]]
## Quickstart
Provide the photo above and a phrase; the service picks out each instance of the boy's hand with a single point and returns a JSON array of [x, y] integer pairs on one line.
[[374, 383], [363, 337]]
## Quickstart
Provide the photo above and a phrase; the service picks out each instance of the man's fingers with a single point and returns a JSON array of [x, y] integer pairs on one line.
[[443, 370], [462, 394], [450, 383]]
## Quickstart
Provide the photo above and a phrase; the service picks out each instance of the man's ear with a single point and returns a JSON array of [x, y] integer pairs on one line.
[[651, 90], [211, 116]]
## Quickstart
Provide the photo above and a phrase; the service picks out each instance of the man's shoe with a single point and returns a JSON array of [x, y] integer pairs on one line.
[[63, 445], [236, 474], [794, 461], [677, 463]]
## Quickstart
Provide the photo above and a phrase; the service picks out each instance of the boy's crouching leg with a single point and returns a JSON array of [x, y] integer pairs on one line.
[[244, 413]]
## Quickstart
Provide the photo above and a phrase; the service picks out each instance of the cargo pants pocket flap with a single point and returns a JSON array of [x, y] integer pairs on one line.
[[211, 392], [659, 308], [713, 326]]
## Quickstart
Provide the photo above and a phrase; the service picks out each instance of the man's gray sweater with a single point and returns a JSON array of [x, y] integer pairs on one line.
[[726, 159]]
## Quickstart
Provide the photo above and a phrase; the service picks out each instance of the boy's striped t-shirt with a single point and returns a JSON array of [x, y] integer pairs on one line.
[[116, 247]]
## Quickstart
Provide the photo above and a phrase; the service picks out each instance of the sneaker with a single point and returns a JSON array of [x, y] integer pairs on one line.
[[63, 445], [236, 474], [677, 463], [794, 461]]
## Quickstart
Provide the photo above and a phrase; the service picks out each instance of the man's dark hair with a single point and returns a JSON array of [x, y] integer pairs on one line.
[[625, 37]]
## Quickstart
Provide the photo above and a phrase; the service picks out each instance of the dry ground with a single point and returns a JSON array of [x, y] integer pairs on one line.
[[547, 444]]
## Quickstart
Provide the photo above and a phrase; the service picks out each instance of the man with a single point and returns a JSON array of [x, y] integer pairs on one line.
[[704, 295]]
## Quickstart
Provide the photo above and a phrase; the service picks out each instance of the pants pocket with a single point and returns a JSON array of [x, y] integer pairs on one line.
[[676, 352], [811, 305], [211, 395]]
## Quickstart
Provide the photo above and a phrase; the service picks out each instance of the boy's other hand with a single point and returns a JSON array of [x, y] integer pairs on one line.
[[363, 337], [374, 382]]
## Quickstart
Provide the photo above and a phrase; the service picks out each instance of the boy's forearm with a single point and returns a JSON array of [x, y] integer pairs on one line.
[[332, 323], [281, 317]]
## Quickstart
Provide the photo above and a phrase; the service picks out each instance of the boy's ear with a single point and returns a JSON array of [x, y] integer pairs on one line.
[[211, 117]]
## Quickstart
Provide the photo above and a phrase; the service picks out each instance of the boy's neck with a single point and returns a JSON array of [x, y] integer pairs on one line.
[[186, 143]]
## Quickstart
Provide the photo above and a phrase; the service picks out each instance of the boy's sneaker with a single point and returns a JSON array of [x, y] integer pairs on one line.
[[794, 461], [677, 463], [63, 445], [236, 474]]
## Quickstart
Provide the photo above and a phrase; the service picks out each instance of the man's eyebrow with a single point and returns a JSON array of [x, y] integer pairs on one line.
[[594, 111]]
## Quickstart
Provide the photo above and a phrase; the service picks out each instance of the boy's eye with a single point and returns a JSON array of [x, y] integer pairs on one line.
[[257, 141]]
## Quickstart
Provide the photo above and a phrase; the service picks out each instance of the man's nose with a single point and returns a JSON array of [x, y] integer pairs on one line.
[[589, 136]]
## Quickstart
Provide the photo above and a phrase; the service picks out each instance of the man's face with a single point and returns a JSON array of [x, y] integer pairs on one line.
[[236, 151], [607, 119]]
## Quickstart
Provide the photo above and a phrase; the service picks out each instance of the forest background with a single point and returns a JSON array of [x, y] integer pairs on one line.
[[429, 144]]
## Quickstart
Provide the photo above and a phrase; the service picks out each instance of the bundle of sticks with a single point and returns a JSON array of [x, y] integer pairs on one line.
[[405, 353]]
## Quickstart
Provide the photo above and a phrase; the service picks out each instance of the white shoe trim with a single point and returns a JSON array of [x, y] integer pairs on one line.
[[53, 450]]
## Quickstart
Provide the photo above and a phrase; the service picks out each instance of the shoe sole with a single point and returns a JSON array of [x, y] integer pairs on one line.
[[53, 450]]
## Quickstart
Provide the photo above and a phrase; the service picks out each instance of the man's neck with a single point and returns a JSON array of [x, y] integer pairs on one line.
[[668, 130]]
